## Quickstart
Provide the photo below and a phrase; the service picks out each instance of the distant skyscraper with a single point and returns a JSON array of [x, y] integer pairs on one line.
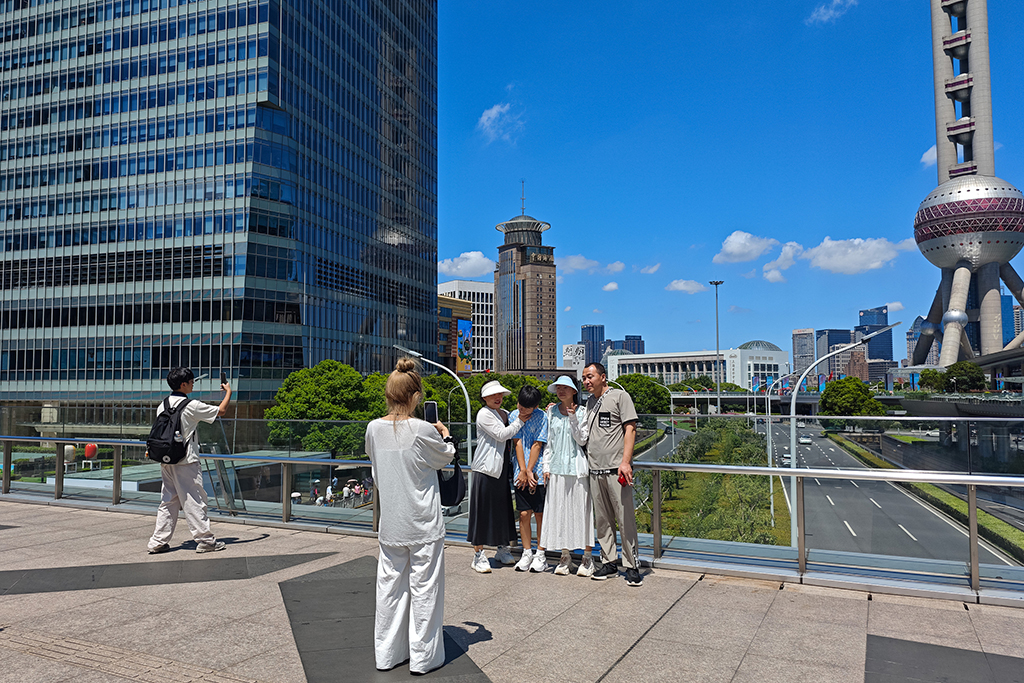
[[1018, 319], [481, 294], [803, 350], [524, 298], [592, 337], [237, 187], [825, 342], [634, 343], [1007, 315], [871, 321]]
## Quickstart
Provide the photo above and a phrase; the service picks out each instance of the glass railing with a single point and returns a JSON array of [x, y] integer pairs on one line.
[[880, 499]]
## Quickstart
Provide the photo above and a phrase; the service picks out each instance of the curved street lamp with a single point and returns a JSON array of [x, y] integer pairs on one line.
[[671, 412], [718, 357]]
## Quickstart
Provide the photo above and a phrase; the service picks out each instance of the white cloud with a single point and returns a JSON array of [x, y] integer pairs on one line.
[[688, 286], [830, 11], [467, 264], [611, 287], [752, 273], [500, 123], [570, 264], [559, 279], [850, 257], [790, 251], [616, 267], [739, 310], [774, 275], [742, 246], [931, 157], [894, 306], [567, 309], [650, 270], [996, 146], [598, 310]]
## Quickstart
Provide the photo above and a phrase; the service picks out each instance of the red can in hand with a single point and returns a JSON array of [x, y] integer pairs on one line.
[[622, 480]]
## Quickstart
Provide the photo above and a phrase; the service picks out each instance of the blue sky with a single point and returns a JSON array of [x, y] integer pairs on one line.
[[780, 147]]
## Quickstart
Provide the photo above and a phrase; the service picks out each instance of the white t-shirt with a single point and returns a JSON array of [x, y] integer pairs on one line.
[[194, 413]]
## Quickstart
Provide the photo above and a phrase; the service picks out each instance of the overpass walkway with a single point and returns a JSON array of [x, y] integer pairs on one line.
[[82, 601]]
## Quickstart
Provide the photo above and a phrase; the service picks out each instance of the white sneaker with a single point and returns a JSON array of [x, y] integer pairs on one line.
[[586, 567], [540, 562], [480, 563], [524, 562], [564, 564], [504, 556]]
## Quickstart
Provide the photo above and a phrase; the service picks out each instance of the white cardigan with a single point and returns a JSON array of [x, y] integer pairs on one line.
[[492, 434]]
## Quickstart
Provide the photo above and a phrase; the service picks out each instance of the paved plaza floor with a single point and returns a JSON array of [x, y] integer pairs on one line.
[[82, 601]]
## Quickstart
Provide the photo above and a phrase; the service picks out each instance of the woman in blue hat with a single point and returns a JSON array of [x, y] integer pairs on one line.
[[569, 514]]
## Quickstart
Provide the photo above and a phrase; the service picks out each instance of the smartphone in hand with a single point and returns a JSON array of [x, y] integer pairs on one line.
[[223, 377], [430, 412]]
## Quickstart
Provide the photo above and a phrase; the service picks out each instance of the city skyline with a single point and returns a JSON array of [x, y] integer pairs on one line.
[[600, 153]]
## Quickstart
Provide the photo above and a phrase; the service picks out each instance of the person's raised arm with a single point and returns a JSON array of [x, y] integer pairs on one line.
[[491, 425], [222, 410], [579, 425]]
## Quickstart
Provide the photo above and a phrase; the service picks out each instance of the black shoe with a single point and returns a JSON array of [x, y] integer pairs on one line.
[[633, 578], [159, 549], [605, 571]]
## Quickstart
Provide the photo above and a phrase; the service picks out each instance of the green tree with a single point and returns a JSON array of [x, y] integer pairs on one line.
[[932, 379], [964, 376], [648, 396], [849, 396]]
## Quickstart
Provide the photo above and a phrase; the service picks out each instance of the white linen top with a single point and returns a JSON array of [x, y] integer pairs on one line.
[[567, 434], [492, 433], [406, 455], [194, 413]]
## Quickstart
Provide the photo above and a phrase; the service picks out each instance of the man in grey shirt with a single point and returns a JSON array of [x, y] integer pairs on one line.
[[611, 433]]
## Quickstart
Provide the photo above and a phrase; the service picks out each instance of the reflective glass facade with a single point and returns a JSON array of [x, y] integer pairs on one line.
[[238, 186]]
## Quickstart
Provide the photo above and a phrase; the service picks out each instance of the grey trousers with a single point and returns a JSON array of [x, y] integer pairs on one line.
[[613, 503]]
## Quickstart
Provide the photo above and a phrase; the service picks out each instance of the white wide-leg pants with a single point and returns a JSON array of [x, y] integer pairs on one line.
[[410, 607], [182, 489]]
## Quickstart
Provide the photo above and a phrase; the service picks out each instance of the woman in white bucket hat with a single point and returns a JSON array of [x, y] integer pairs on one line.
[[491, 520], [569, 514]]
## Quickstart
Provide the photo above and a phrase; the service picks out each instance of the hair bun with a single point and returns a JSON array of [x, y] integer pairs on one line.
[[405, 365]]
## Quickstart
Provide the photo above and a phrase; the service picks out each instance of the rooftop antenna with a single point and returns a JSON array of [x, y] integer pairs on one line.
[[523, 198]]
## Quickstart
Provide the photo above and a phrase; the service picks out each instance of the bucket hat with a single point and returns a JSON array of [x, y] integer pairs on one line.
[[491, 388], [563, 381]]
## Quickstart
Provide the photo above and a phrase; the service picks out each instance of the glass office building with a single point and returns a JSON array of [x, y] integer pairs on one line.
[[238, 186]]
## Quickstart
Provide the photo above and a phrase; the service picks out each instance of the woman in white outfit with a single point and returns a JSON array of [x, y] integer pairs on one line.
[[406, 454], [568, 513]]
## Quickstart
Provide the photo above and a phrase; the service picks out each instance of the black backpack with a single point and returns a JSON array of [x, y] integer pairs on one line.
[[161, 445]]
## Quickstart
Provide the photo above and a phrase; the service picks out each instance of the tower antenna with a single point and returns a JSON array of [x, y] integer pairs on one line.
[[523, 198]]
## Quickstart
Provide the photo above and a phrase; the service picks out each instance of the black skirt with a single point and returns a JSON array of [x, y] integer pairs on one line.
[[491, 521]]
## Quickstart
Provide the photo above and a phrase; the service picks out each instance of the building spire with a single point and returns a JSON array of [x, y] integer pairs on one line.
[[523, 197]]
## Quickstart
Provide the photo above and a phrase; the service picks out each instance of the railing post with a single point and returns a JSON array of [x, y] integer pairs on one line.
[[972, 524], [286, 492], [8, 463], [115, 495], [58, 473], [802, 562], [656, 513]]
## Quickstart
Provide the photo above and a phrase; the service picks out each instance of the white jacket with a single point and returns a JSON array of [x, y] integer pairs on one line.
[[492, 434]]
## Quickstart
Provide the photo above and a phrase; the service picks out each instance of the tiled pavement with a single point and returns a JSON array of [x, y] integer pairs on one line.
[[80, 600]]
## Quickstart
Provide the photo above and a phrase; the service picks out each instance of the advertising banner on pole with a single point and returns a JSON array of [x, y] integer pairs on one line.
[[464, 347], [755, 384], [821, 384]]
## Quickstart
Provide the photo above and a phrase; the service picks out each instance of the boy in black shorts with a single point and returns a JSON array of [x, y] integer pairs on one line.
[[527, 474]]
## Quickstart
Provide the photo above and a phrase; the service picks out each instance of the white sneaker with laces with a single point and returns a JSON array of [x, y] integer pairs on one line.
[[480, 563], [586, 567], [564, 565], [524, 562], [540, 562], [504, 556]]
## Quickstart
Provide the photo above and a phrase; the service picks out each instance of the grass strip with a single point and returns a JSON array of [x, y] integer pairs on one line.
[[1004, 536]]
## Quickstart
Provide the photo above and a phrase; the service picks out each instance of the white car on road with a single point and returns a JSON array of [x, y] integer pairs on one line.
[[804, 440]]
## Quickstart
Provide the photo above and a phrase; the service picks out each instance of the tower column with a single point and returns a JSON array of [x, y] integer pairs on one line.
[[945, 110], [955, 317], [990, 308], [981, 93], [929, 333]]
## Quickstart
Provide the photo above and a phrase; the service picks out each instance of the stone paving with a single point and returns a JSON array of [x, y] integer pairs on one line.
[[80, 600]]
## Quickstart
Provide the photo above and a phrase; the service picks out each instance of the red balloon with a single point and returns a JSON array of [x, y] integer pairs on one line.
[[90, 450]]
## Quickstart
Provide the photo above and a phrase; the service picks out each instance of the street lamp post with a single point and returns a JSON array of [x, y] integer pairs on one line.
[[469, 423], [792, 422], [671, 412], [718, 358], [449, 403], [768, 432]]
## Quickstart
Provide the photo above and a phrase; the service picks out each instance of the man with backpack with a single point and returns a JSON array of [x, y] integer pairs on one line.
[[174, 443]]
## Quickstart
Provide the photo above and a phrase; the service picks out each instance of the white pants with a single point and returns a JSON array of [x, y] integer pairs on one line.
[[182, 489], [410, 607]]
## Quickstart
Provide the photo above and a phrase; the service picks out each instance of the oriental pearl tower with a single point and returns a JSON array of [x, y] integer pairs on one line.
[[972, 224]]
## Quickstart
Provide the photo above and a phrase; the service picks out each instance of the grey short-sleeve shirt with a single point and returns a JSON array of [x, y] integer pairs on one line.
[[606, 417]]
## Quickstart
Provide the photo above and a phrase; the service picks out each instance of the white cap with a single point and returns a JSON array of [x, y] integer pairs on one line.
[[493, 387], [563, 381]]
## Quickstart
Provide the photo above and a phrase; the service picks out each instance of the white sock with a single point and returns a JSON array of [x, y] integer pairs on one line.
[[586, 555]]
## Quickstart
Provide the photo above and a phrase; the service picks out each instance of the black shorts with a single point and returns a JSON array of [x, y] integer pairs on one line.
[[530, 501]]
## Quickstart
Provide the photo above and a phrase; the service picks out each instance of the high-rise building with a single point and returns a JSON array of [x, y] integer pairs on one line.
[[592, 338], [803, 350], [1018, 319], [481, 294], [238, 186], [634, 343], [872, 320], [1007, 315], [970, 225], [524, 298], [825, 342], [856, 364], [451, 312]]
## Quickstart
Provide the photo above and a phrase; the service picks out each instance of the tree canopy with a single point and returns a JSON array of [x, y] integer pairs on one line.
[[964, 376]]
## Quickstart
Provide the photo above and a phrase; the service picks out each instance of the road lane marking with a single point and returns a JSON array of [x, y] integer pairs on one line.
[[833, 504], [854, 483], [907, 532], [817, 482], [832, 449], [849, 527], [876, 504]]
